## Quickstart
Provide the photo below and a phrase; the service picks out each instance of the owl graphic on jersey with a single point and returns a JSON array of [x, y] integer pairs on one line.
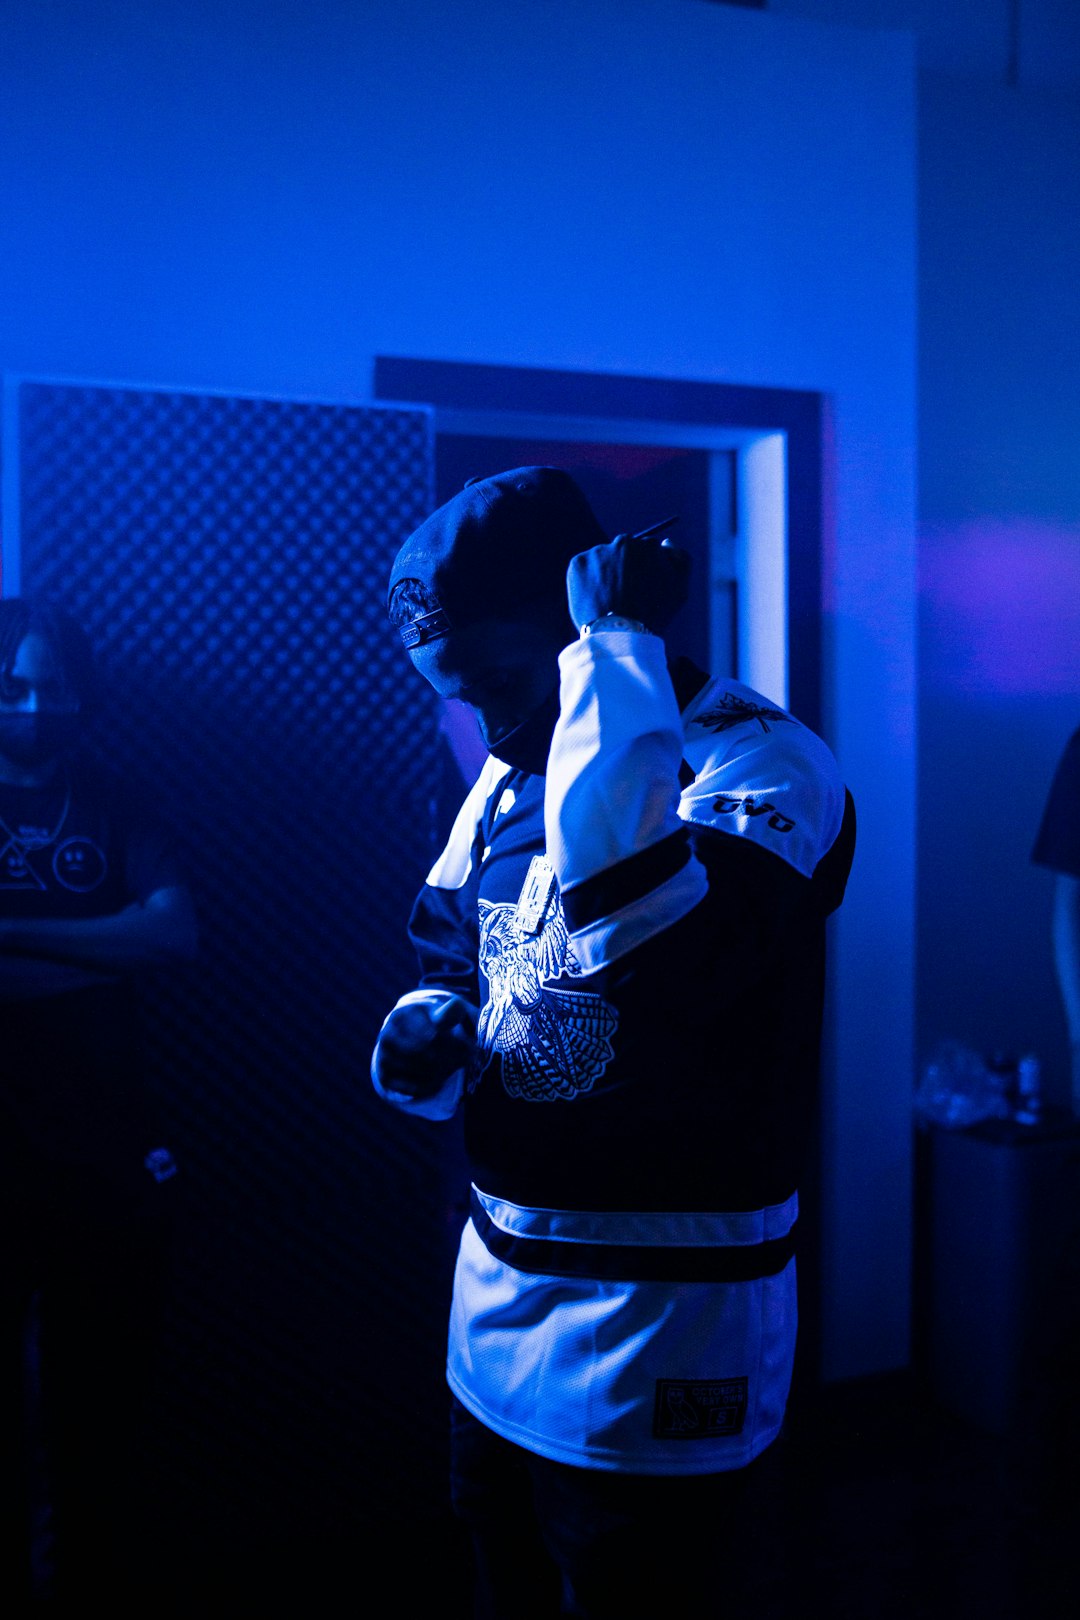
[[553, 1044]]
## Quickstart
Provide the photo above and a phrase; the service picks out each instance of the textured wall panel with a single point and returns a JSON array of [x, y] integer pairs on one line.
[[229, 556]]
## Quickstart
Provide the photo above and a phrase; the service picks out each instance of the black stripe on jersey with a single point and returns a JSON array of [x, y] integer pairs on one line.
[[687, 680], [831, 872], [609, 1262], [629, 880]]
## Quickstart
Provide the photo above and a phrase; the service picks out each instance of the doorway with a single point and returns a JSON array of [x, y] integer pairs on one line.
[[741, 466]]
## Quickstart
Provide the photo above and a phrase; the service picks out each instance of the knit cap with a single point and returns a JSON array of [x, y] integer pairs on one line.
[[497, 549]]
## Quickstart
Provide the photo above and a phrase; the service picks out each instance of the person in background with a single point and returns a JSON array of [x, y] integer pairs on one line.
[[1045, 1465], [90, 894], [1057, 846], [622, 956]]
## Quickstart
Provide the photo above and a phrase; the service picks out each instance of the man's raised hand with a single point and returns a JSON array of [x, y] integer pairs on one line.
[[636, 576]]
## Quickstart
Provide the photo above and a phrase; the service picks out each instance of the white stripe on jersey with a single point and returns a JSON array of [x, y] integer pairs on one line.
[[684, 1229], [603, 942]]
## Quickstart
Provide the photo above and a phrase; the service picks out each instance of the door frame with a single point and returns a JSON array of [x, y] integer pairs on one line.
[[777, 434]]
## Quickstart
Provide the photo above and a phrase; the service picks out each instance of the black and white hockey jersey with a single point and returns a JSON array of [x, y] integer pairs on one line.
[[642, 928]]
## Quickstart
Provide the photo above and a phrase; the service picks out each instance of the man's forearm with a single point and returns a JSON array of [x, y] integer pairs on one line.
[[158, 933], [1066, 937], [24, 978]]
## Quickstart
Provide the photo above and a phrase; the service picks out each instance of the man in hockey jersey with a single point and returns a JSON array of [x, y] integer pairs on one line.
[[621, 952]]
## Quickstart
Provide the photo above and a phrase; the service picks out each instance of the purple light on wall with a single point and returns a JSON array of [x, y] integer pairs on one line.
[[1001, 607]]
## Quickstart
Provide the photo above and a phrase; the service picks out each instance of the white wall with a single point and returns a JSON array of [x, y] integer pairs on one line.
[[999, 498], [1019, 42], [1000, 552], [261, 195]]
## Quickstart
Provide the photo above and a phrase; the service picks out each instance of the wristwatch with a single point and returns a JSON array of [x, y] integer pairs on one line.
[[612, 621]]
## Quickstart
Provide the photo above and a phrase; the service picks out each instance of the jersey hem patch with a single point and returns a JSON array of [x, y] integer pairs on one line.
[[699, 1408], [681, 1460]]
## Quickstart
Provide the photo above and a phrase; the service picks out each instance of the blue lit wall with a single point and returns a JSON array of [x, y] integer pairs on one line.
[[261, 195], [999, 552]]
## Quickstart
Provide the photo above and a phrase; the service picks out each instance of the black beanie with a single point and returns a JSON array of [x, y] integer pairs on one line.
[[498, 549]]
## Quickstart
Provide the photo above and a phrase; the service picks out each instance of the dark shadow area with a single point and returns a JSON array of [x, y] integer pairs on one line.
[[876, 1505], [883, 1505], [228, 557]]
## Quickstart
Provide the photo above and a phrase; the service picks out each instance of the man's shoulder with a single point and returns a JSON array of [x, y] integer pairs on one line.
[[760, 773], [123, 803], [725, 716], [1057, 843], [1070, 754], [96, 778]]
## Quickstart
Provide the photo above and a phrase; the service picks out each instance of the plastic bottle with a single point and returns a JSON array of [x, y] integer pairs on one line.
[[957, 1089], [1002, 1069], [1028, 1090]]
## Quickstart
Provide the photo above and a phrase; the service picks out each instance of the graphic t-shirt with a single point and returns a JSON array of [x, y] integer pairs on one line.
[[80, 847]]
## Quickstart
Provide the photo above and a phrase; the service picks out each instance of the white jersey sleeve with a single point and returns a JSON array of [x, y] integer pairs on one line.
[[614, 835], [759, 774]]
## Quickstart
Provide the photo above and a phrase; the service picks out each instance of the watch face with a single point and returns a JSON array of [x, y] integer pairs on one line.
[[613, 621]]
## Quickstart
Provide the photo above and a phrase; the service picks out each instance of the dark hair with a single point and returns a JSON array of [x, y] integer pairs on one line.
[[68, 642], [409, 600]]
